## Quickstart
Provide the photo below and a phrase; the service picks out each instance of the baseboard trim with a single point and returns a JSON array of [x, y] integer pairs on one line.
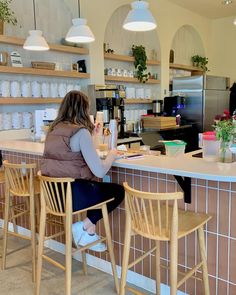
[[98, 263]]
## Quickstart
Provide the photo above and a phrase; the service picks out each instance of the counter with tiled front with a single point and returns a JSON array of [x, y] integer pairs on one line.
[[213, 190]]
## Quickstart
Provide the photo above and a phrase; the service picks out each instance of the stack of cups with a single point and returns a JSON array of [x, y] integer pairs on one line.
[[114, 134]]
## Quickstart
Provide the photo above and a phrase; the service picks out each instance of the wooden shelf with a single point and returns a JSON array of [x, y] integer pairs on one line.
[[40, 72], [135, 100], [129, 80], [28, 100], [185, 67], [54, 47], [128, 58]]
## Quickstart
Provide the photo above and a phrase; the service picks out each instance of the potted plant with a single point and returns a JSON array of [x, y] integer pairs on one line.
[[6, 14], [140, 63], [200, 62], [225, 132]]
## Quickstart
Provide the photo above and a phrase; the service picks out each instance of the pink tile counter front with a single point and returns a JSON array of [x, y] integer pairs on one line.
[[213, 190]]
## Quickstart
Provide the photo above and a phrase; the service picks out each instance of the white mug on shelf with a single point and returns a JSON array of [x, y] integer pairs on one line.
[[5, 88], [36, 89], [26, 89], [54, 89], [27, 120], [16, 120], [62, 89], [45, 89], [7, 123], [15, 89]]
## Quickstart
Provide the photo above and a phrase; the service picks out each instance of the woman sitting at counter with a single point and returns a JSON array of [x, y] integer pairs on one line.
[[69, 152]]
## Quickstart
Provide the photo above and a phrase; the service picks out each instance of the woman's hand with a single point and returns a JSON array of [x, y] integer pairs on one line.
[[97, 128]]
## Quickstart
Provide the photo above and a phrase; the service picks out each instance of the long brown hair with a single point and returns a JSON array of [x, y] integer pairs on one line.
[[74, 109]]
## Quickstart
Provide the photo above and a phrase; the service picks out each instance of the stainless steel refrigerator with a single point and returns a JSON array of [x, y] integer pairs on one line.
[[205, 97]]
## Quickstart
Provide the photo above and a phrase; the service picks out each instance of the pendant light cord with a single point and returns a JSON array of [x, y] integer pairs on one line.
[[34, 15], [79, 8]]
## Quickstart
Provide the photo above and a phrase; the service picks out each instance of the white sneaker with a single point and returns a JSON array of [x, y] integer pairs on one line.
[[77, 232], [87, 239]]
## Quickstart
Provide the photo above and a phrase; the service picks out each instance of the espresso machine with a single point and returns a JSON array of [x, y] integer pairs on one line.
[[110, 100], [173, 105]]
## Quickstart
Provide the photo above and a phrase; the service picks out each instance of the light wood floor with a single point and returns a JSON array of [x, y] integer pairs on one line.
[[16, 279]]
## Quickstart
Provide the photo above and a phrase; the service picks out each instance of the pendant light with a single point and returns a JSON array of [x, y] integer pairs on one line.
[[234, 22], [79, 32], [35, 41], [139, 19]]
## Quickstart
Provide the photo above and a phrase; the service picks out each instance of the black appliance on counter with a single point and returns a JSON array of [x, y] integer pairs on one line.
[[110, 100], [173, 105]]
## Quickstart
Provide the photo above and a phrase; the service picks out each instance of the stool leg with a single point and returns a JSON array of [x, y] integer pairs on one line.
[[110, 247], [203, 258], [173, 266], [5, 229], [125, 260], [68, 222], [33, 237], [158, 269], [42, 226], [84, 260]]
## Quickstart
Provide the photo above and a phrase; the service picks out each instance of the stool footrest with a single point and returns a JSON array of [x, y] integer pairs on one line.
[[55, 235], [54, 262], [91, 244], [141, 257], [189, 274]]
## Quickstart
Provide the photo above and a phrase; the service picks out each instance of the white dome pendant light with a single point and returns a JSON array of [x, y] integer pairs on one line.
[[79, 32], [35, 41], [139, 19]]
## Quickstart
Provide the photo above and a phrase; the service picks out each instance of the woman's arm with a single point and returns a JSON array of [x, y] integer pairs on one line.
[[82, 141]]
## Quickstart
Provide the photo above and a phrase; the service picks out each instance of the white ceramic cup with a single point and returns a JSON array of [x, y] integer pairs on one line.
[[45, 89], [5, 88], [54, 89], [62, 89], [26, 89], [36, 89], [7, 123], [27, 120], [15, 89], [17, 120]]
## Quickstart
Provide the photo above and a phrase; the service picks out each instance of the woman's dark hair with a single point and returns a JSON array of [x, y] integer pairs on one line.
[[74, 109]]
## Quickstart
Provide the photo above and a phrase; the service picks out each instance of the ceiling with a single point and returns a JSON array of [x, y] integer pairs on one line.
[[208, 8]]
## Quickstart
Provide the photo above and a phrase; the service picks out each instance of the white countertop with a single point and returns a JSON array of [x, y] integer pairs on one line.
[[183, 166]]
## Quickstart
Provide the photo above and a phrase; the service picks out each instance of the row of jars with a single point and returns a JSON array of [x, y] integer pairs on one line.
[[36, 88], [125, 73], [16, 120], [134, 115]]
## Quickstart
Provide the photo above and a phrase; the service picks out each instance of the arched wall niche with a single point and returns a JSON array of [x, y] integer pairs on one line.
[[186, 43], [123, 43]]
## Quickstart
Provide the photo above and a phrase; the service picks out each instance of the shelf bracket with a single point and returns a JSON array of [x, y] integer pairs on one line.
[[185, 184]]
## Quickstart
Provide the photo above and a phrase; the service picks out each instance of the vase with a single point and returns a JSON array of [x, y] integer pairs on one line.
[[225, 154], [1, 27]]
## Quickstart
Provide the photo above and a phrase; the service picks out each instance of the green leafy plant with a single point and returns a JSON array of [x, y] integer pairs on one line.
[[140, 63], [200, 61], [225, 130], [6, 14]]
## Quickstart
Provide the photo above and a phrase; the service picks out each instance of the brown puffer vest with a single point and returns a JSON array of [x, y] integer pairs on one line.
[[58, 159]]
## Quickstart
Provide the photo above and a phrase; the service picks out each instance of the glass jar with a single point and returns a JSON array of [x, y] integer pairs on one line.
[[225, 154]]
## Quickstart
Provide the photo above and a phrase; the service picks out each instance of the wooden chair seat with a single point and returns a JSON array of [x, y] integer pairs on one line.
[[188, 222]]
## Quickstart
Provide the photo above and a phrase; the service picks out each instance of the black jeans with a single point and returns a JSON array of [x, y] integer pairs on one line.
[[86, 193]]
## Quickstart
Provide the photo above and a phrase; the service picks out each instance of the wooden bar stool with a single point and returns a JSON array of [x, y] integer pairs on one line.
[[150, 215], [56, 199], [20, 182]]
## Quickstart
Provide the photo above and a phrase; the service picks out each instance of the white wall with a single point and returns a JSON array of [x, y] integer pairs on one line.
[[54, 18]]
